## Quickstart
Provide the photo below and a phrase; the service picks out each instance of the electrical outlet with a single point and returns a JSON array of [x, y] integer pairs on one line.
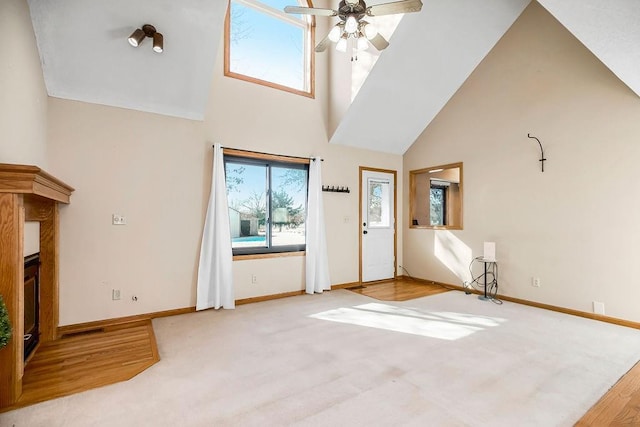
[[115, 294], [117, 219], [535, 282], [467, 287], [598, 307], [254, 278]]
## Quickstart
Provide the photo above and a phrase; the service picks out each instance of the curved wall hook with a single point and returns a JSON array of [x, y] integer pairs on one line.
[[542, 159]]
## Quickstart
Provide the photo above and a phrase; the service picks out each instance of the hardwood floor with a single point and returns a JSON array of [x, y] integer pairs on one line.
[[620, 406], [399, 290], [89, 360]]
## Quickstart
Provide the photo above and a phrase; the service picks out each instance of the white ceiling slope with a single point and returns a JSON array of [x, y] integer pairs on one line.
[[85, 55], [431, 54], [610, 29]]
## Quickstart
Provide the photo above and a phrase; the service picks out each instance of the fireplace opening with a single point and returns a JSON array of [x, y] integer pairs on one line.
[[31, 303]]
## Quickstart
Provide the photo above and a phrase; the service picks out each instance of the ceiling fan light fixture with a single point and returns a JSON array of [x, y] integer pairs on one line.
[[335, 33], [351, 24], [136, 37], [369, 30], [158, 43]]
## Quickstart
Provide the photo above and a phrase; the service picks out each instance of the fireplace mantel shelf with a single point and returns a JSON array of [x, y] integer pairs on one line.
[[27, 193], [27, 179]]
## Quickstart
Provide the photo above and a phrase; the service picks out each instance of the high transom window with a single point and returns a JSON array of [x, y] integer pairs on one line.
[[265, 45]]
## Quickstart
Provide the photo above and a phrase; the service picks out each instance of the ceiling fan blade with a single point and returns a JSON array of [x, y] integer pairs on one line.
[[310, 11], [323, 45], [379, 42], [404, 6]]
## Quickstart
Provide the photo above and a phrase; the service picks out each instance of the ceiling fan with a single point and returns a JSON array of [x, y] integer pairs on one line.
[[352, 24]]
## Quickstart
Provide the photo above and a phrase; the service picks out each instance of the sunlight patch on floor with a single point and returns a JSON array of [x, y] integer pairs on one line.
[[441, 325]]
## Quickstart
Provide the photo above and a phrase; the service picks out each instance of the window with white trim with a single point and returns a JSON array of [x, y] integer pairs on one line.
[[265, 45]]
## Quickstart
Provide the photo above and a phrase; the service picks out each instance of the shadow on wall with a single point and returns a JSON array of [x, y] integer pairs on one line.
[[453, 253]]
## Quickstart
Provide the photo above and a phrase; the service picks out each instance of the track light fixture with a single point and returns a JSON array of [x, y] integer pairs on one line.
[[147, 31]]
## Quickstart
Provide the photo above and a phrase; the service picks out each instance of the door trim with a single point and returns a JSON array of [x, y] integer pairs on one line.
[[395, 218]]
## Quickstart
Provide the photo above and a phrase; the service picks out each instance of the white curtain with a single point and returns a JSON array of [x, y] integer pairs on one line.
[[317, 262], [215, 277]]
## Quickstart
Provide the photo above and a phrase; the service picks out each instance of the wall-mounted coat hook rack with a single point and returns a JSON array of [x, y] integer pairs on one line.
[[334, 189]]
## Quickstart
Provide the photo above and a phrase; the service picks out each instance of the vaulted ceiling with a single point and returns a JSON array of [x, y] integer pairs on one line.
[[85, 56], [433, 52]]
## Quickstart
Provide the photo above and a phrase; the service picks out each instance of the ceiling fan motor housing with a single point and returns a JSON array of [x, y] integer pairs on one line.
[[358, 10]]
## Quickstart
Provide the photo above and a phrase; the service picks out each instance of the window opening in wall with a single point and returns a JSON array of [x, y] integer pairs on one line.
[[267, 201], [265, 45], [435, 197]]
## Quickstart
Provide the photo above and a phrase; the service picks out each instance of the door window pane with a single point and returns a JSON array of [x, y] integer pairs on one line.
[[379, 203]]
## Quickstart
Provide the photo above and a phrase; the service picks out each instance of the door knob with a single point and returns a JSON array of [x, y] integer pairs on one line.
[[365, 232]]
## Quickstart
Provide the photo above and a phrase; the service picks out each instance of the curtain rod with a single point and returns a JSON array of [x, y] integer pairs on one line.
[[271, 154]]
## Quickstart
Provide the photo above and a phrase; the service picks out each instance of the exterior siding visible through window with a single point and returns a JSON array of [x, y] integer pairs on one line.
[[265, 45], [267, 204]]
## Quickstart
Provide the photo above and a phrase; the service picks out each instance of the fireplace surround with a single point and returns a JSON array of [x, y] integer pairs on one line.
[[27, 193], [31, 304]]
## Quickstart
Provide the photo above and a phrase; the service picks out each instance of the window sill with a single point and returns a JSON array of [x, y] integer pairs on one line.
[[436, 227], [264, 256]]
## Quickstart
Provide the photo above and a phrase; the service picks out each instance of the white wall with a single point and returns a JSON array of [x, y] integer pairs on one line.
[[23, 96], [575, 226], [156, 172], [31, 238]]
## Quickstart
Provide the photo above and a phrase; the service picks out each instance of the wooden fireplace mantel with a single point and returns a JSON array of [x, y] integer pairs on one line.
[[26, 179], [27, 193]]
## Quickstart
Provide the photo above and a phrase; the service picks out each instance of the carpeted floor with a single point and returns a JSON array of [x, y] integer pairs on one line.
[[343, 359]]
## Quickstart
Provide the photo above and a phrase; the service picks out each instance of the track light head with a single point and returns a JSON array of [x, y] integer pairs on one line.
[[147, 31], [136, 37], [158, 43]]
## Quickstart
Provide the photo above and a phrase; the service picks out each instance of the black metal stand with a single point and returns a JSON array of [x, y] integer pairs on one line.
[[485, 297]]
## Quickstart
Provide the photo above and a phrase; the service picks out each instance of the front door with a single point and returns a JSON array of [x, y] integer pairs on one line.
[[377, 225]]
